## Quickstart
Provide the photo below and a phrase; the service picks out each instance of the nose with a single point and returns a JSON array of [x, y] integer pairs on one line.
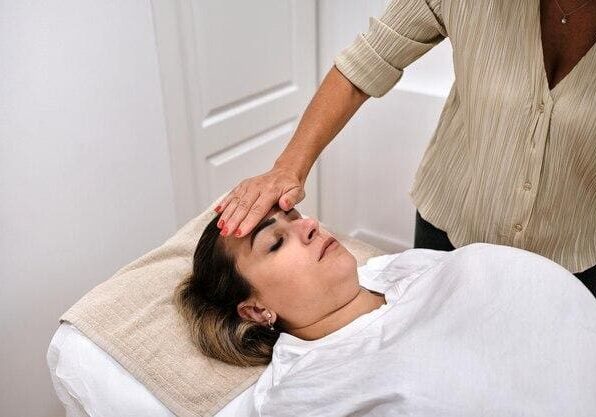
[[309, 229]]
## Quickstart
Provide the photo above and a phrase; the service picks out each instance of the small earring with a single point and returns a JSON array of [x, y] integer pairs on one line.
[[270, 326]]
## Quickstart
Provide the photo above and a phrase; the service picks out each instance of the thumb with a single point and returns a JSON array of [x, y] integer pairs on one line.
[[291, 198]]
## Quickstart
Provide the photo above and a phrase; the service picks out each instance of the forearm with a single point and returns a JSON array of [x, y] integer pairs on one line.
[[332, 106]]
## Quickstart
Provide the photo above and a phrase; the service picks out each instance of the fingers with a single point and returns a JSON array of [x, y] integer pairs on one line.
[[256, 212], [244, 207], [291, 198], [224, 203], [248, 218], [239, 208], [229, 204]]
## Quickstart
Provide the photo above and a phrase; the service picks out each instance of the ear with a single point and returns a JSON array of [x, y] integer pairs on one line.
[[252, 312]]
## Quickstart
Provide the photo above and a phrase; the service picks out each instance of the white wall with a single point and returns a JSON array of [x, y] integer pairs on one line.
[[85, 183], [368, 169]]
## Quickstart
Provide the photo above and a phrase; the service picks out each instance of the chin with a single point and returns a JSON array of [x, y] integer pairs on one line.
[[348, 255], [349, 260]]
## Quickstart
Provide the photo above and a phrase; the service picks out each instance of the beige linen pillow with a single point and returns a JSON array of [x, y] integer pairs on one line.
[[131, 316]]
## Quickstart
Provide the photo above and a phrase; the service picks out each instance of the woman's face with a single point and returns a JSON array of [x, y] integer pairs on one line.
[[283, 264]]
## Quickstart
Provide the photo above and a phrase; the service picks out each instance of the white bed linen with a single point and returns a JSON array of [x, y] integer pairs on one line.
[[484, 330], [90, 383]]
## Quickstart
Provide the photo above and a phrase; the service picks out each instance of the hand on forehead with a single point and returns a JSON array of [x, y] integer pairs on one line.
[[234, 244]]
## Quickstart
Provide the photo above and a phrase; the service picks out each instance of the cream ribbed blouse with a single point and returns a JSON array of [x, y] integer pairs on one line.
[[511, 162]]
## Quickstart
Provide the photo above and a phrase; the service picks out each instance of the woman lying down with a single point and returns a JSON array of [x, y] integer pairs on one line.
[[484, 330]]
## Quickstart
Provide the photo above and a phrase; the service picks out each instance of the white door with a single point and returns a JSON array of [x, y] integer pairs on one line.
[[236, 77]]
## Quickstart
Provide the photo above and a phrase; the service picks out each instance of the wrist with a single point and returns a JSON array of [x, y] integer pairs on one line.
[[292, 166]]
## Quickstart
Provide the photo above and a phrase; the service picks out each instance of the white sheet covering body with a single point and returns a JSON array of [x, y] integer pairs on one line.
[[484, 330]]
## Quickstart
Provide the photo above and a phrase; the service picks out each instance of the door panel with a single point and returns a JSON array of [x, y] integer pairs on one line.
[[246, 73]]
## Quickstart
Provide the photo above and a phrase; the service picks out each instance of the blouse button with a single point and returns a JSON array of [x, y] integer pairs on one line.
[[518, 227], [541, 107], [527, 185]]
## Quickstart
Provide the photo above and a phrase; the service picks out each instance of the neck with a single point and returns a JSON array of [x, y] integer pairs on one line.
[[364, 302]]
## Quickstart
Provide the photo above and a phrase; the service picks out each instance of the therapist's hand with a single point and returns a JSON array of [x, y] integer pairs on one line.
[[248, 203]]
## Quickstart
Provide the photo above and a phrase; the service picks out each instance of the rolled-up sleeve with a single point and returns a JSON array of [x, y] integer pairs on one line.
[[407, 29]]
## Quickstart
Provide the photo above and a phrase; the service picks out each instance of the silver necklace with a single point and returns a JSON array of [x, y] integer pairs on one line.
[[566, 15]]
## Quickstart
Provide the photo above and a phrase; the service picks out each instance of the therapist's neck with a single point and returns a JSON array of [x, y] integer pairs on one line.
[[364, 302]]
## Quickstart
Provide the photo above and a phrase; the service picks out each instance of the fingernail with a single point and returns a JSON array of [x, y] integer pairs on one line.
[[217, 208], [220, 223], [224, 231], [237, 232]]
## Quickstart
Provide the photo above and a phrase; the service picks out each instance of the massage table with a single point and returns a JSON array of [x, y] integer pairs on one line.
[[123, 350], [90, 383]]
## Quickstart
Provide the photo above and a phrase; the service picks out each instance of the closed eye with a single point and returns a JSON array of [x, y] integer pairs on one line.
[[281, 239], [277, 245]]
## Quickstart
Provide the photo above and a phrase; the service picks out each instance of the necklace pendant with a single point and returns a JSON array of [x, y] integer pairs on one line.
[[564, 20]]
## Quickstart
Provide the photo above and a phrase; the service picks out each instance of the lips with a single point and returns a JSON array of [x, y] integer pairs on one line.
[[326, 243]]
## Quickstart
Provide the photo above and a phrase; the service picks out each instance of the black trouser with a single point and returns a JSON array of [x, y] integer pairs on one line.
[[428, 236]]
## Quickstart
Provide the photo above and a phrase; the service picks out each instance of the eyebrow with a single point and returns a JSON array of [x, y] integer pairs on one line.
[[263, 224]]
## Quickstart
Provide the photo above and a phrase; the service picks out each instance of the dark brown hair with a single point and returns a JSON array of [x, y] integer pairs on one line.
[[207, 299]]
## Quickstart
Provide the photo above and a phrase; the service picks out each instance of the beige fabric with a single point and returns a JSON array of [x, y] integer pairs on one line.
[[511, 162], [132, 318]]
